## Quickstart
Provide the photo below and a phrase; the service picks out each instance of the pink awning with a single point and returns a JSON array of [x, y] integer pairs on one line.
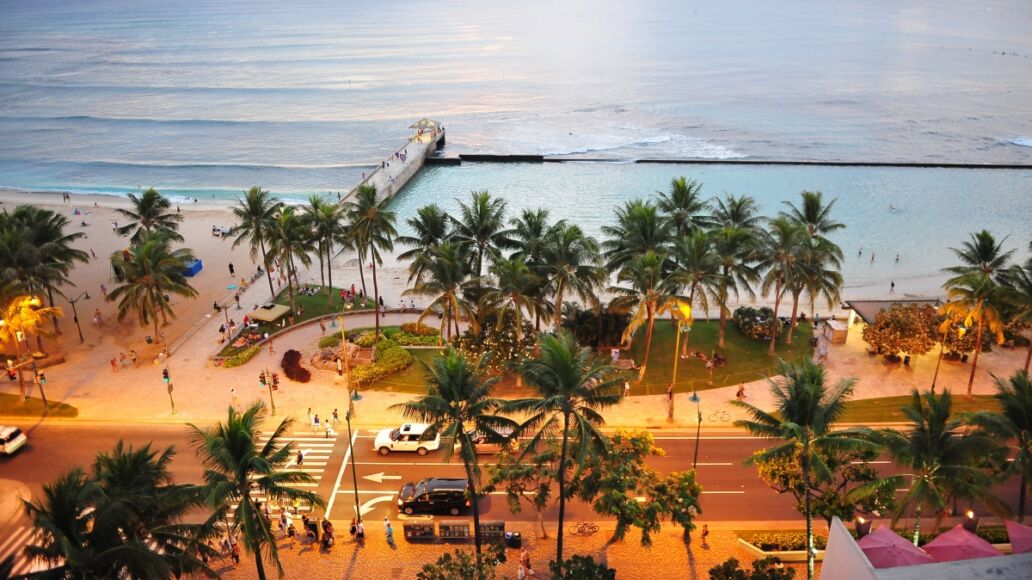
[[886, 549], [1020, 537], [959, 544]]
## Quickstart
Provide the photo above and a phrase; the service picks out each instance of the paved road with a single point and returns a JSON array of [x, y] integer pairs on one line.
[[732, 490]]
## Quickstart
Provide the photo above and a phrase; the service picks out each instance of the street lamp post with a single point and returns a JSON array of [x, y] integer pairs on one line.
[[695, 398], [269, 383], [17, 360], [354, 474], [75, 313], [353, 395], [40, 380], [167, 377]]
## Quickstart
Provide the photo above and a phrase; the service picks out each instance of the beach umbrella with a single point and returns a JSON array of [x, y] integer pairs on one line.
[[425, 124], [959, 544], [1020, 537], [885, 549]]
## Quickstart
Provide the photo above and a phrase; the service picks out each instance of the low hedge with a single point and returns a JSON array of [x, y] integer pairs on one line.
[[390, 359], [419, 329], [791, 540], [241, 357], [330, 340], [364, 337]]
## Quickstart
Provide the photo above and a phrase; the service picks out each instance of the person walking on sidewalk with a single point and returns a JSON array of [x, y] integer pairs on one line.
[[388, 531], [300, 458], [525, 561], [626, 389]]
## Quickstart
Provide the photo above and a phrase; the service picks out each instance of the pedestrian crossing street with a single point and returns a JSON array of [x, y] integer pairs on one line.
[[13, 540], [316, 448]]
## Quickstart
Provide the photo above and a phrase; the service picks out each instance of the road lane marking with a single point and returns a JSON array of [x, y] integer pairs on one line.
[[11, 544], [394, 463], [368, 506], [379, 477], [367, 492], [340, 474]]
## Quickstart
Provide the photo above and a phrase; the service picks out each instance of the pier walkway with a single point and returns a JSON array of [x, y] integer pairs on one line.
[[393, 173]]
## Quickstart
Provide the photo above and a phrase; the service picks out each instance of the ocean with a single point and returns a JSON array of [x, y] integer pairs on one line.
[[203, 98]]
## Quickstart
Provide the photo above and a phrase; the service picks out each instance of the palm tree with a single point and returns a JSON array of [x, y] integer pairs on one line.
[[480, 229], [23, 315], [289, 239], [820, 262], [977, 299], [573, 386], [235, 467], [569, 263], [150, 213], [1018, 283], [123, 520], [372, 225], [804, 412], [255, 214], [328, 229], [981, 254], [698, 268], [735, 249], [739, 212], [311, 213], [516, 291], [649, 292], [446, 279], [430, 228], [684, 206], [458, 404], [1013, 424], [49, 250], [529, 235], [938, 456], [149, 272], [812, 214], [779, 260], [640, 227]]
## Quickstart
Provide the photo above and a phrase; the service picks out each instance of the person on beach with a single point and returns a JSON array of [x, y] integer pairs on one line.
[[340, 367], [134, 358], [626, 389], [103, 290], [92, 253], [123, 360], [114, 364], [872, 258], [740, 395], [861, 252], [232, 270], [892, 287], [97, 318], [897, 258]]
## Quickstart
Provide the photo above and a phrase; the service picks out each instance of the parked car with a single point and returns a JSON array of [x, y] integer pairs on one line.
[[408, 437], [494, 444], [11, 439], [434, 495]]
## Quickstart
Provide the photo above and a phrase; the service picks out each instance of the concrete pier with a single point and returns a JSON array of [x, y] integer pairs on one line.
[[392, 174]]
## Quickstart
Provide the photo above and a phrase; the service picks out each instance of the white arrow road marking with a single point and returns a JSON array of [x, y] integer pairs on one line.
[[379, 477], [368, 506]]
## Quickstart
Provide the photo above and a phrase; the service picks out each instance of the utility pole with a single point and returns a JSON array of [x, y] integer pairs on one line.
[[75, 313]]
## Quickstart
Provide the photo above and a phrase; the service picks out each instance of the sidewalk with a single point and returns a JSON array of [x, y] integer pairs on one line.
[[669, 556]]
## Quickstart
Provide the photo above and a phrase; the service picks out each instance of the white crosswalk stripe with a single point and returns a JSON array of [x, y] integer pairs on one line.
[[316, 449], [14, 545]]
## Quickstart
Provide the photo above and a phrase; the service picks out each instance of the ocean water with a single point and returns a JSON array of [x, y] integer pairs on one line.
[[916, 213], [206, 98]]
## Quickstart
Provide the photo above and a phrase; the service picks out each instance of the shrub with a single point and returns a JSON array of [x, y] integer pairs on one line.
[[765, 569], [390, 331], [390, 358], [910, 329], [241, 357], [329, 341], [366, 339], [406, 339], [578, 567], [419, 329], [291, 364], [756, 323], [783, 541]]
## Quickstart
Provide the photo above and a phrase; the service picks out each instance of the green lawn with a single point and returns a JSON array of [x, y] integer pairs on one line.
[[886, 409], [314, 307], [747, 360], [412, 379], [12, 406]]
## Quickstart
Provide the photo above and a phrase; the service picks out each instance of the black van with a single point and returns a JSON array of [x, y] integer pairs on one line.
[[434, 495]]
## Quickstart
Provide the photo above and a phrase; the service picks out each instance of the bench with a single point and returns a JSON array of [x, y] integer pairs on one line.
[[453, 530]]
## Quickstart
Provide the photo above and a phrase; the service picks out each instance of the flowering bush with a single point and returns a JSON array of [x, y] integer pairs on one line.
[[366, 339], [756, 323], [241, 357], [504, 348], [419, 329], [291, 364], [390, 358]]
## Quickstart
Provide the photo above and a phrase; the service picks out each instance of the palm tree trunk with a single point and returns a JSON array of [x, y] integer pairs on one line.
[[265, 263], [558, 307], [290, 286], [1021, 498], [808, 514], [562, 490], [259, 564], [648, 343], [774, 322], [53, 318], [376, 299], [322, 275], [361, 273], [329, 272], [720, 327], [917, 524], [978, 351], [476, 514], [541, 522], [795, 314]]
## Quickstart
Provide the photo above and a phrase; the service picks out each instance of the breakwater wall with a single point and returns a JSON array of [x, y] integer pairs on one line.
[[488, 158]]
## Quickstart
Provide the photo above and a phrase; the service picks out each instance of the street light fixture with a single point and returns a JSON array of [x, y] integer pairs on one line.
[[75, 313]]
